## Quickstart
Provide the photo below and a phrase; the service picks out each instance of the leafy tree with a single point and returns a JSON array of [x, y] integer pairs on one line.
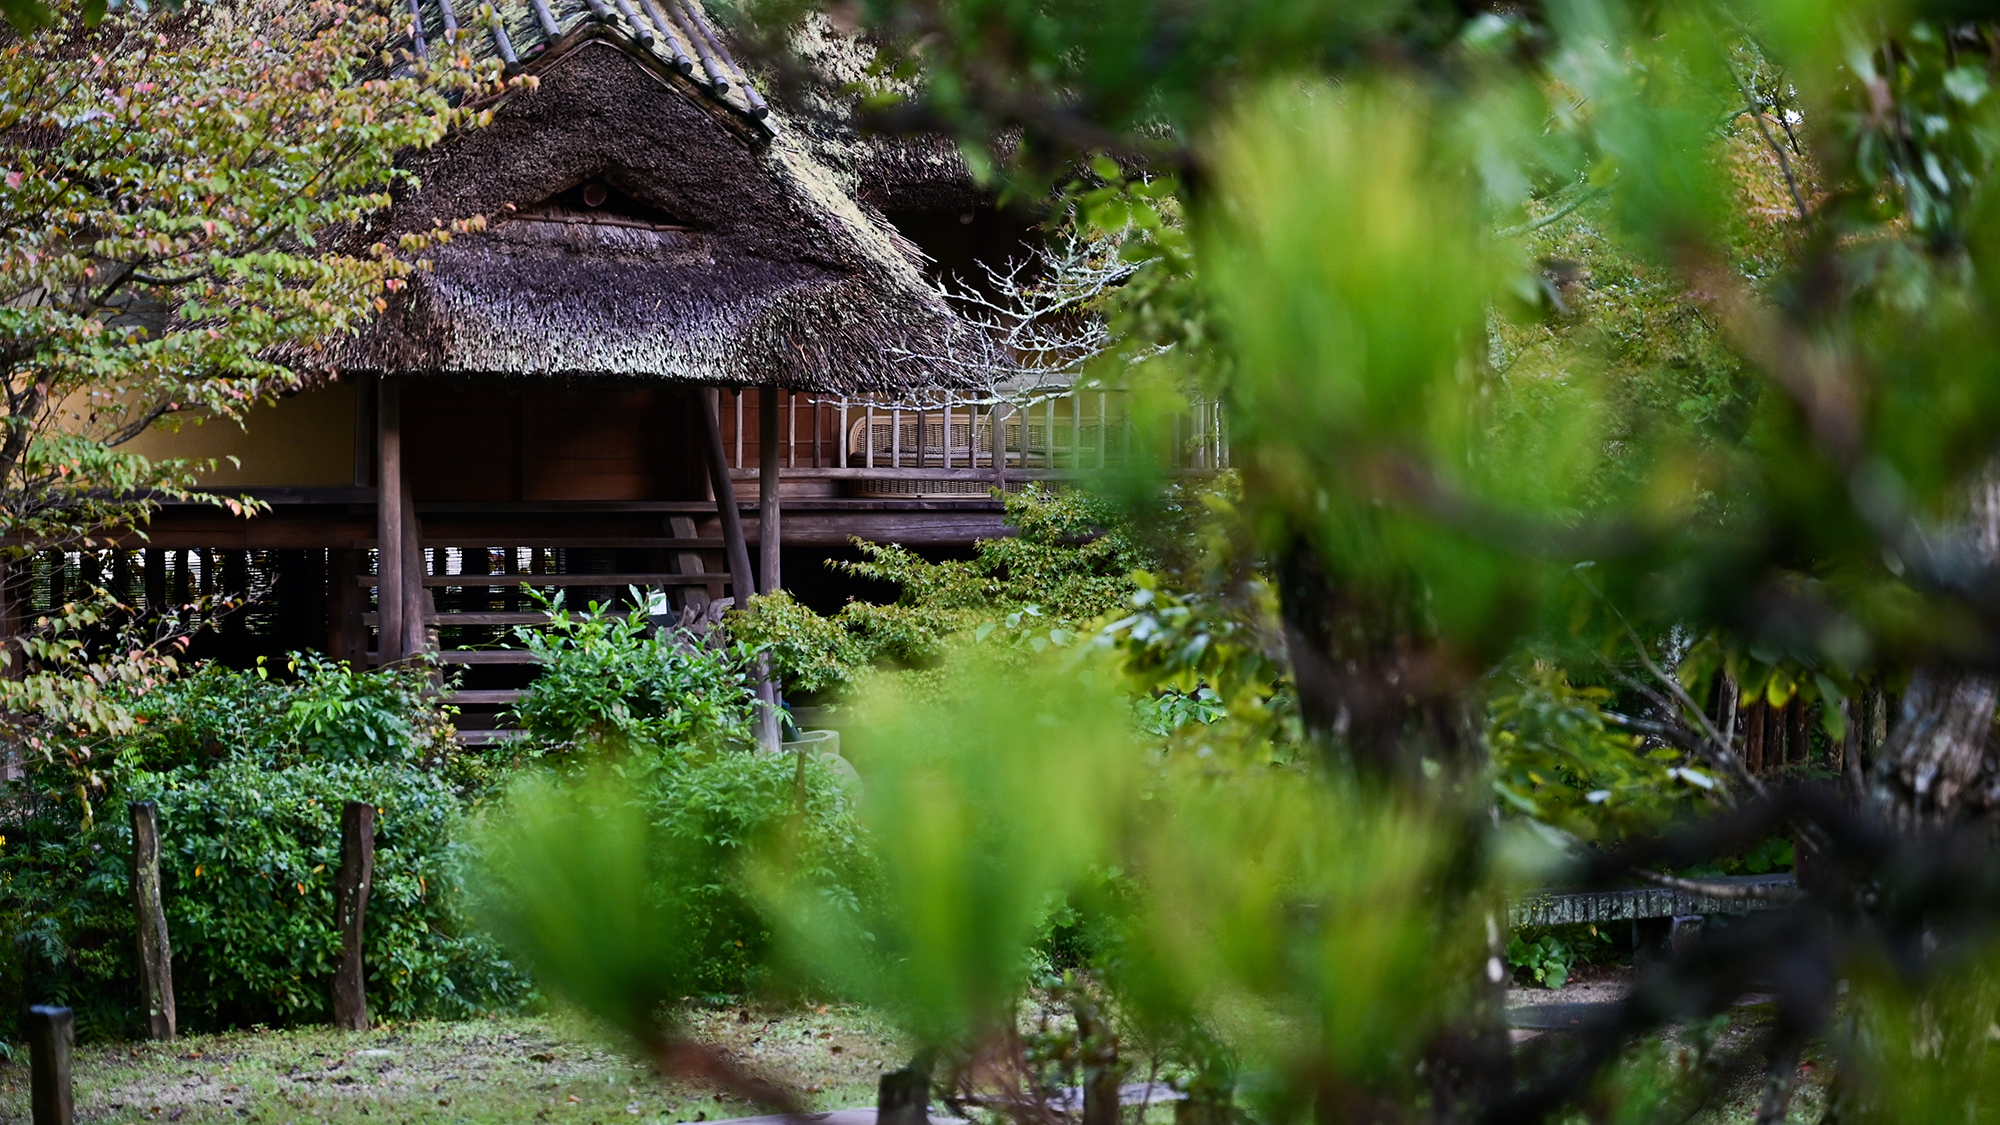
[[184, 200]]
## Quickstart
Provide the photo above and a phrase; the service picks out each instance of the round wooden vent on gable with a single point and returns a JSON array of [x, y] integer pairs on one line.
[[600, 202]]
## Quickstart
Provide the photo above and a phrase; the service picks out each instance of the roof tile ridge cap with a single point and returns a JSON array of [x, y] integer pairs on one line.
[[545, 18], [639, 32], [672, 36], [697, 27], [754, 101]]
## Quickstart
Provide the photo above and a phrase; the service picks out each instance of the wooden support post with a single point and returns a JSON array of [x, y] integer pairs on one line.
[[1725, 720], [1798, 741], [997, 420], [1753, 736], [17, 594], [691, 562], [350, 904], [741, 578], [51, 1034], [1103, 429], [389, 519], [156, 953], [155, 568], [734, 546], [416, 598], [768, 541], [767, 492], [346, 638], [1097, 1048]]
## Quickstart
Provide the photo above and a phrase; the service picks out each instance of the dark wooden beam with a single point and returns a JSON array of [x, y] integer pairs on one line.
[[998, 422], [345, 637], [415, 599], [51, 1034], [738, 553], [496, 581], [735, 549], [389, 519], [689, 560], [768, 576]]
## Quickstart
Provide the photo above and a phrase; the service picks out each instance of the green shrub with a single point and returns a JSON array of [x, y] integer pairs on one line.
[[608, 679], [662, 727], [250, 772], [1548, 955], [1070, 562]]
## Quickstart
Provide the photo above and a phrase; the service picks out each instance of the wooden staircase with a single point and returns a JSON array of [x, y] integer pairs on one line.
[[476, 591]]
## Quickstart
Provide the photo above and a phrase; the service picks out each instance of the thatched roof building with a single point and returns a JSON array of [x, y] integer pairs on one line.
[[652, 217]]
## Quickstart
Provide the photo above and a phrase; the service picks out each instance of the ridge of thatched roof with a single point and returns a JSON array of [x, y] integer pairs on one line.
[[837, 72], [676, 33], [723, 250], [884, 171]]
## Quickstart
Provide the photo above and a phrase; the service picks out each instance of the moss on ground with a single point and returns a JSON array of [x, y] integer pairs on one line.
[[519, 1071]]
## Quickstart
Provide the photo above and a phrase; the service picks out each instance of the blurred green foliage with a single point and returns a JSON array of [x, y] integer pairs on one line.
[[1576, 357], [1559, 759], [616, 859], [980, 834], [620, 878]]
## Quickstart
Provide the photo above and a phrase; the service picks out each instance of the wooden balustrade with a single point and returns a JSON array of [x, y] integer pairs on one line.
[[1062, 432]]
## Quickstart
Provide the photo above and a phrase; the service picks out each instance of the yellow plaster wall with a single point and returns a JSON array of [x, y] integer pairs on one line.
[[304, 441]]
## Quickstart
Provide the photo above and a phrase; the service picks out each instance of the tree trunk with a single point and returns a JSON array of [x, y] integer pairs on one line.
[[1381, 696], [1938, 764], [1376, 692]]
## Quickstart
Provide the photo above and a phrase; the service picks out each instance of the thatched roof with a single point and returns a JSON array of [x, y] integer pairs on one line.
[[651, 217]]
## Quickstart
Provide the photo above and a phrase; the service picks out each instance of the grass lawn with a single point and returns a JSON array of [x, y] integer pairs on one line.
[[517, 1070], [556, 1070]]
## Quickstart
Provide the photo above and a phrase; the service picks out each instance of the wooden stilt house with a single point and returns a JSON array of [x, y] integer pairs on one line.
[[685, 352]]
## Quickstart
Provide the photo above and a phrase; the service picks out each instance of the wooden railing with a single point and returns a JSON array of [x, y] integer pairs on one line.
[[1075, 431]]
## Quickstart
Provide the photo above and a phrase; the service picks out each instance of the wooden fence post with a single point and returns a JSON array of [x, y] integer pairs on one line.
[[350, 905], [1098, 1049], [156, 953], [51, 1031], [903, 1097]]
